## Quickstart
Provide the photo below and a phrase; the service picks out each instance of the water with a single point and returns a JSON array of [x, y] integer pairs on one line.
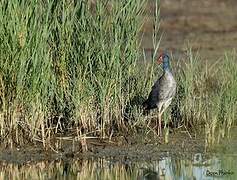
[[200, 167], [219, 162]]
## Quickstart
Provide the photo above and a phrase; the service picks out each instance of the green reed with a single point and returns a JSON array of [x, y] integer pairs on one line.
[[65, 64], [206, 94]]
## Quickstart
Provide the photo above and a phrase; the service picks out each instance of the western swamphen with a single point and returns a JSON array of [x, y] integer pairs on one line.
[[162, 91]]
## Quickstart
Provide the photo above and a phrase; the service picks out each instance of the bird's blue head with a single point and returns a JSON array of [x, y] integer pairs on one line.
[[165, 59]]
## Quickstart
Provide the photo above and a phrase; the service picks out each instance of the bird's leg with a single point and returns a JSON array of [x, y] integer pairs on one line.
[[158, 121], [157, 126], [159, 117]]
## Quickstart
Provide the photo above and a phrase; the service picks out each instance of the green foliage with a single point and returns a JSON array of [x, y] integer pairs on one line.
[[65, 61], [74, 65], [207, 94]]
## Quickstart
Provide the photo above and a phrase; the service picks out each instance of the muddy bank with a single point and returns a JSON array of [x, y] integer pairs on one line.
[[134, 148], [182, 158], [139, 148]]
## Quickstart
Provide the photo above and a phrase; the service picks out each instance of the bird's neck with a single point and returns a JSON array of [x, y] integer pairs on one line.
[[166, 66]]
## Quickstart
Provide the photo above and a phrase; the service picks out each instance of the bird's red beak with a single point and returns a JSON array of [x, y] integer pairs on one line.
[[160, 60]]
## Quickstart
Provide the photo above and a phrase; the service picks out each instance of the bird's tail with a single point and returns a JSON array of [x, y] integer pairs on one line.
[[145, 108]]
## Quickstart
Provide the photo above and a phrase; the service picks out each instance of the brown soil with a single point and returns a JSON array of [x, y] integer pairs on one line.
[[135, 148], [208, 26]]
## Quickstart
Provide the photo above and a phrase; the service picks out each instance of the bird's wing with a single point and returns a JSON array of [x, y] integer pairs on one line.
[[163, 89], [167, 90], [153, 97]]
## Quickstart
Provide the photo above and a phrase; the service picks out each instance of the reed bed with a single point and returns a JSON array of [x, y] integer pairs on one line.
[[66, 64], [207, 94]]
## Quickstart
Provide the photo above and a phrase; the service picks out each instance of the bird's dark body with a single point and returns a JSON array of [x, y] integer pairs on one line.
[[162, 91]]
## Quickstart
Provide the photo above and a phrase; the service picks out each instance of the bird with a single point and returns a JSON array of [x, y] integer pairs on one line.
[[162, 92]]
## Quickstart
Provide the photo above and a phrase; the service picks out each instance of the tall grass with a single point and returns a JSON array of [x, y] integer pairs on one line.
[[66, 64], [207, 94]]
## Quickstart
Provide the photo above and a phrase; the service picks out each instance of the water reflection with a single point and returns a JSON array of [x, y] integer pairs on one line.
[[218, 166]]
